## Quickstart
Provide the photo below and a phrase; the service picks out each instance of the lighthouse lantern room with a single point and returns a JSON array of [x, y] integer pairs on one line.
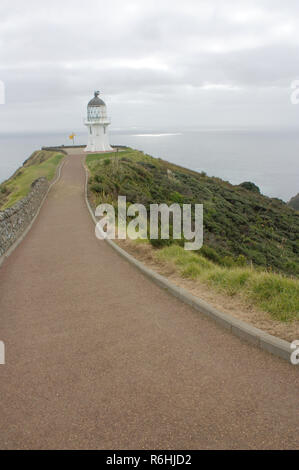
[[97, 123]]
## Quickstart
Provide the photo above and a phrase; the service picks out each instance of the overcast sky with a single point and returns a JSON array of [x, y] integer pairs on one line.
[[159, 64]]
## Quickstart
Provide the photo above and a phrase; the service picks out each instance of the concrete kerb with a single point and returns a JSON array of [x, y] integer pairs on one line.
[[243, 330], [23, 235]]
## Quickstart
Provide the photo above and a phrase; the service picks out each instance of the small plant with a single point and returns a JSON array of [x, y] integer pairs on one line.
[[241, 260], [210, 253], [160, 242], [176, 197], [96, 187], [227, 261]]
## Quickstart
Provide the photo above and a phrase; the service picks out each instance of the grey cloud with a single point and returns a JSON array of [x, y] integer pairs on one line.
[[154, 56]]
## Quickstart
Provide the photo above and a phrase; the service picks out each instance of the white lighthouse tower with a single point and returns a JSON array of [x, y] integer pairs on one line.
[[97, 123]]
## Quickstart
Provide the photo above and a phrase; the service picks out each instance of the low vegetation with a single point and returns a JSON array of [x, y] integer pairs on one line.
[[250, 241], [270, 292], [240, 224], [41, 163]]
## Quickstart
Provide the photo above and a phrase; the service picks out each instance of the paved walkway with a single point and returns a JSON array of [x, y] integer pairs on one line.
[[99, 357]]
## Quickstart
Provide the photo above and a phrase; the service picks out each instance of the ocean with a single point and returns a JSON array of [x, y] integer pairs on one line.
[[268, 158]]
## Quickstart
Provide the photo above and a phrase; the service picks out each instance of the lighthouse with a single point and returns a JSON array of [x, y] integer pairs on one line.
[[97, 123]]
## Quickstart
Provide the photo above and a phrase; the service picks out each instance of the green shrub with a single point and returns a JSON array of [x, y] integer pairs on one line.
[[96, 187], [227, 261], [210, 253], [176, 197], [241, 260], [159, 242], [250, 186]]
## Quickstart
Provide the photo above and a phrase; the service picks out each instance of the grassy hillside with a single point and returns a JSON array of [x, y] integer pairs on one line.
[[241, 226], [41, 163]]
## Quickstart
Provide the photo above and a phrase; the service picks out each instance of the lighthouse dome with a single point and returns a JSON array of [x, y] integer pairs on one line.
[[96, 109], [96, 101]]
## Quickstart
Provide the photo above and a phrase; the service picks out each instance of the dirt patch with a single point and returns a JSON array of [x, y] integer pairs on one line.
[[232, 305]]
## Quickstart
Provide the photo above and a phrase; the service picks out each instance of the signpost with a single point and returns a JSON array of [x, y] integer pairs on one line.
[[72, 137]]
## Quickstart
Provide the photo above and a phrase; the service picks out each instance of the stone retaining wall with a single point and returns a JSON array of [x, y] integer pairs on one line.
[[14, 220]]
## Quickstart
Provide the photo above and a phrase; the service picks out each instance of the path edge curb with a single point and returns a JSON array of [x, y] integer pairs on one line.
[[27, 229], [272, 344]]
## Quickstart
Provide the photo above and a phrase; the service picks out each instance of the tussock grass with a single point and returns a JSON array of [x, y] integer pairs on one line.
[[18, 186], [273, 293]]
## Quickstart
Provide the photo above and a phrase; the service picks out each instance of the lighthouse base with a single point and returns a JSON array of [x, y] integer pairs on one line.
[[96, 148], [98, 140]]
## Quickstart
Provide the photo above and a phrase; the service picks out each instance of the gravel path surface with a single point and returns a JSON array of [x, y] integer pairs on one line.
[[97, 356]]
